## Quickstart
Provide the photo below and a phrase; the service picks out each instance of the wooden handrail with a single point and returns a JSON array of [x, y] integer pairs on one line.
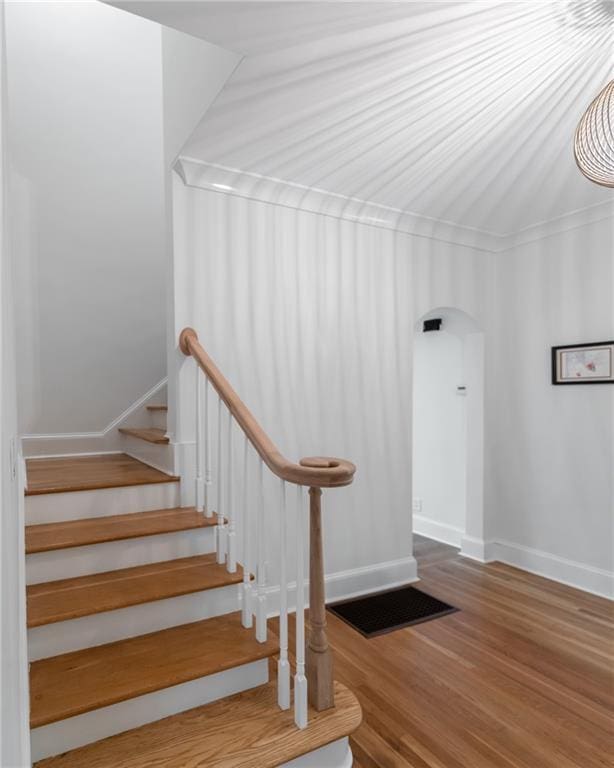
[[315, 472]]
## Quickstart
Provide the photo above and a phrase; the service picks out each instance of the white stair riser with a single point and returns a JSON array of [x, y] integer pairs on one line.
[[98, 558], [100, 628], [158, 455], [77, 505], [335, 755], [158, 419], [83, 729]]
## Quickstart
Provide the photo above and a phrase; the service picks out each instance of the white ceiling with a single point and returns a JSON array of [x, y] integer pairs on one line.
[[463, 111]]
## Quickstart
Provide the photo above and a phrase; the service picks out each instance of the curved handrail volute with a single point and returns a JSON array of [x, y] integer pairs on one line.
[[316, 472]]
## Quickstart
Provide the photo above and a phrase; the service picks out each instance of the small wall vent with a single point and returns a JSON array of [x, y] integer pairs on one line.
[[434, 324]]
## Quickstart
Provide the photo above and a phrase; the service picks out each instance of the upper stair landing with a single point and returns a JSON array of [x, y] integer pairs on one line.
[[87, 473]]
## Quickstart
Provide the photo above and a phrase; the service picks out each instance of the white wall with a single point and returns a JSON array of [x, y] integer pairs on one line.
[[554, 444], [14, 709], [101, 102], [311, 317], [439, 436], [193, 73], [86, 141]]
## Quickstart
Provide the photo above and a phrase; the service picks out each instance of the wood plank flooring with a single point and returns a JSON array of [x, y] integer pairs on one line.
[[243, 731], [86, 473], [520, 677]]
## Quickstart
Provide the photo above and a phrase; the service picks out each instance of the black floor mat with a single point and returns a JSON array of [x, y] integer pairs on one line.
[[385, 611]]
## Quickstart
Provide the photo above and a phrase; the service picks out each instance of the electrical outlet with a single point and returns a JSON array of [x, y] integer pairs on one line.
[[417, 505]]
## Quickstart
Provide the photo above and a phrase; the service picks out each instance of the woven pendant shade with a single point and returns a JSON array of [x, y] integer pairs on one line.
[[594, 140]]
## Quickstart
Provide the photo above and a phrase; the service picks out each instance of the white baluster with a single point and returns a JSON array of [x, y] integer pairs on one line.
[[219, 528], [231, 535], [207, 450], [261, 623], [246, 605], [283, 665], [300, 681], [200, 485]]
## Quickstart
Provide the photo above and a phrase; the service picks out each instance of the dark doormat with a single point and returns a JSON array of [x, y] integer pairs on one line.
[[386, 611]]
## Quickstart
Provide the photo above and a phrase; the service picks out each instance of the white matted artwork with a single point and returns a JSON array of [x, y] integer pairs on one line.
[[583, 363]]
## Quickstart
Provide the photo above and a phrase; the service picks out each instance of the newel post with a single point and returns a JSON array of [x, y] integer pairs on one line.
[[319, 655]]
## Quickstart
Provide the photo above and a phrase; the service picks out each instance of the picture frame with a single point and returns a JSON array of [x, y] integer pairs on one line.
[[591, 363]]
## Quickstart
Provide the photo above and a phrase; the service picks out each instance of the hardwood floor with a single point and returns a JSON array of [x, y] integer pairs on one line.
[[520, 677]]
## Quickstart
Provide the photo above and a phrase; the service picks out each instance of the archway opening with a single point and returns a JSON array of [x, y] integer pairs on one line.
[[448, 430]]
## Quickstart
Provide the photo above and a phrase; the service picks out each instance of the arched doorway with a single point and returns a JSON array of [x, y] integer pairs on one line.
[[448, 430]]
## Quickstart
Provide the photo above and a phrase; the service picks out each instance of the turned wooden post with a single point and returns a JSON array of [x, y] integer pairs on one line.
[[319, 656]]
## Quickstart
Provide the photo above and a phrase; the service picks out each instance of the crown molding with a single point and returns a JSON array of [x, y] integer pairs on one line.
[[581, 217], [232, 181], [247, 184]]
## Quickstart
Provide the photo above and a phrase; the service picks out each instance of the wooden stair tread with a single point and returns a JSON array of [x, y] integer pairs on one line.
[[149, 434], [84, 595], [87, 473], [81, 681], [157, 407], [97, 530], [247, 730]]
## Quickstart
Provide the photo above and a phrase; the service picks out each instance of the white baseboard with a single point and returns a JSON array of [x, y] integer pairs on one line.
[[585, 577], [344, 585], [108, 440], [447, 534], [478, 549]]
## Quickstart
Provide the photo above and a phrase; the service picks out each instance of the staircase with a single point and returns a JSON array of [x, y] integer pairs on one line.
[[140, 636]]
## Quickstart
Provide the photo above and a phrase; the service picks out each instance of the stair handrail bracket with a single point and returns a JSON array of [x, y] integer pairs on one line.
[[313, 681], [313, 472]]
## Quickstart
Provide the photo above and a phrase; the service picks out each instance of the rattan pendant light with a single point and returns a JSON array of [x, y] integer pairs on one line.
[[594, 140]]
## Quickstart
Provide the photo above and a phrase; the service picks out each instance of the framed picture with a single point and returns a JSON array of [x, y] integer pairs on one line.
[[583, 363]]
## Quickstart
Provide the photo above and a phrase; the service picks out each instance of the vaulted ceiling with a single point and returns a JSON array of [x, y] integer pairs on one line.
[[463, 111]]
